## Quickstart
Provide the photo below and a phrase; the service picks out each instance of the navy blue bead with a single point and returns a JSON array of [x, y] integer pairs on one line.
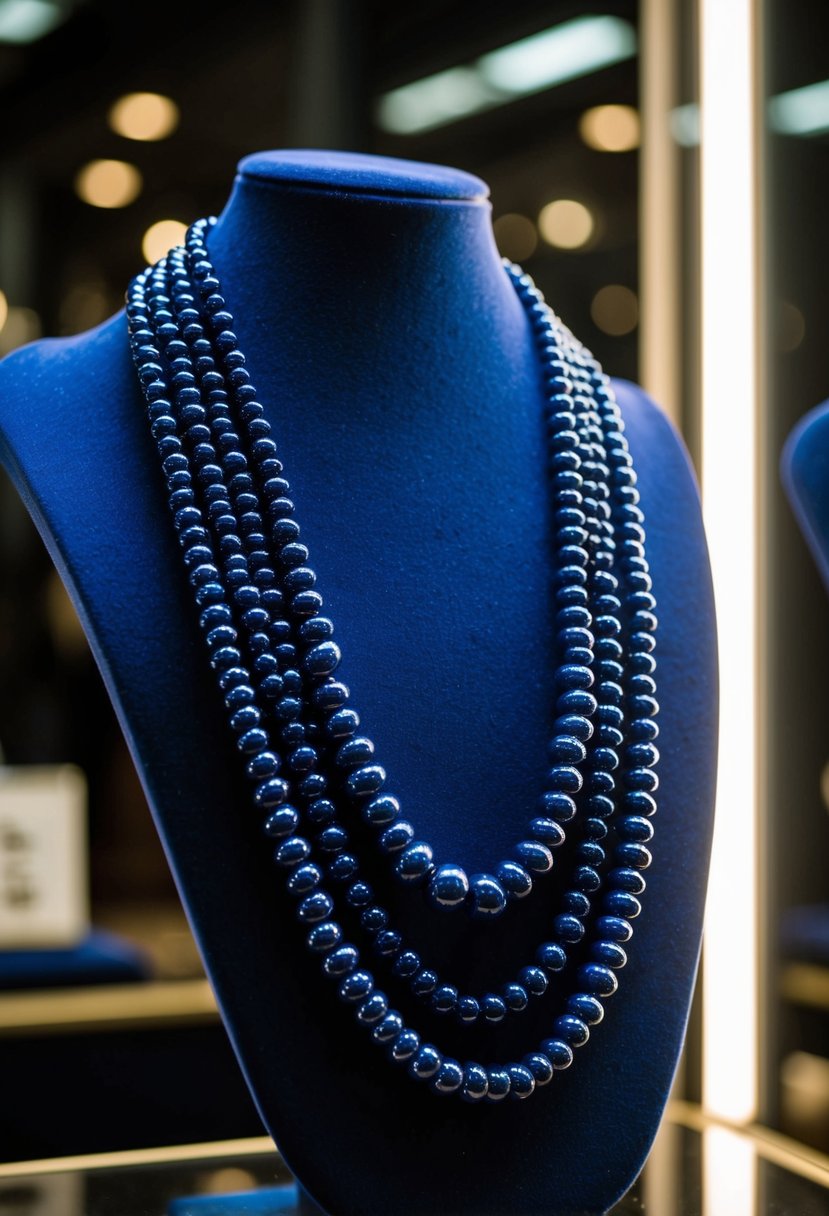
[[388, 1029], [282, 822], [405, 1045], [597, 979], [534, 980], [426, 1063], [494, 1008], [551, 956], [341, 961], [468, 1010], [498, 1084], [407, 964], [540, 1067], [572, 1029], [366, 780], [445, 999], [425, 982], [586, 1007], [449, 1077], [535, 856], [324, 937], [396, 837], [415, 862], [381, 811], [515, 880], [487, 896], [547, 831], [522, 1081], [609, 953], [315, 907], [448, 887], [356, 986], [515, 997], [475, 1082]]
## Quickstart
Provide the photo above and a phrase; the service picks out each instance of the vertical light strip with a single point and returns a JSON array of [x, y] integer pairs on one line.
[[659, 214], [729, 1173], [729, 110]]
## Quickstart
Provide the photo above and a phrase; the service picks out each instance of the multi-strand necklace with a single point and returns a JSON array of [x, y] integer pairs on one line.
[[324, 798]]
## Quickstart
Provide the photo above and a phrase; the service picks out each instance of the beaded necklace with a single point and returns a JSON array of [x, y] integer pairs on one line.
[[314, 776]]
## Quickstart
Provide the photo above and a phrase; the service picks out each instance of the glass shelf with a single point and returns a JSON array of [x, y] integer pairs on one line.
[[697, 1168]]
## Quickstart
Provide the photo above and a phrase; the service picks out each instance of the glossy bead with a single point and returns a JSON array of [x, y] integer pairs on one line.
[[597, 979], [559, 1053], [551, 957], [356, 987], [586, 1007], [372, 1009], [396, 837], [365, 780], [388, 1028], [415, 863], [404, 1045], [448, 887], [572, 1029], [609, 953], [534, 980], [281, 822], [487, 895], [468, 1010], [324, 937], [475, 1083], [540, 1067], [425, 982], [494, 1008], [445, 999], [498, 1084], [548, 832], [515, 997], [449, 1077], [314, 907], [534, 856], [522, 1081], [514, 878], [341, 961], [381, 811], [427, 1061]]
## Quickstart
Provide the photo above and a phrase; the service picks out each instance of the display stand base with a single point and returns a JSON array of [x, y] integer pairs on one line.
[[287, 1199]]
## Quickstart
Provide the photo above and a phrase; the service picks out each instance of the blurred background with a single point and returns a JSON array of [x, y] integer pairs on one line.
[[123, 123]]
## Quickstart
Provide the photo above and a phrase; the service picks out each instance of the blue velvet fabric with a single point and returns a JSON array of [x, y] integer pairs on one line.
[[396, 365]]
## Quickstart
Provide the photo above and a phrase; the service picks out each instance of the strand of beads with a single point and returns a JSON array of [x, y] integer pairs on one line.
[[331, 838], [486, 895], [342, 962]]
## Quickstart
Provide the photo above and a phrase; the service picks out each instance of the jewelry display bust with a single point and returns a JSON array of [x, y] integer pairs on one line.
[[398, 370]]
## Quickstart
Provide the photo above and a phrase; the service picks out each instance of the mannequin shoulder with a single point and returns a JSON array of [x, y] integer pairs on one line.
[[656, 445], [50, 385]]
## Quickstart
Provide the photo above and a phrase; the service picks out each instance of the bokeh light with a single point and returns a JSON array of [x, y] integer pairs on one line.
[[610, 128], [144, 116], [108, 183], [160, 238], [516, 236], [566, 223]]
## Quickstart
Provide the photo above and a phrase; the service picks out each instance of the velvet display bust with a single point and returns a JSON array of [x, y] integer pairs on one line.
[[397, 369]]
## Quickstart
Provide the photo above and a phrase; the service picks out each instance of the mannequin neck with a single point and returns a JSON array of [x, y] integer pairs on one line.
[[325, 235]]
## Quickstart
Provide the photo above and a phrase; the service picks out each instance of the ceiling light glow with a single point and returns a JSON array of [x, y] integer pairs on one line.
[[566, 223], [801, 111], [161, 237], [574, 48], [144, 116], [615, 310], [569, 50], [23, 21], [108, 183], [610, 128]]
